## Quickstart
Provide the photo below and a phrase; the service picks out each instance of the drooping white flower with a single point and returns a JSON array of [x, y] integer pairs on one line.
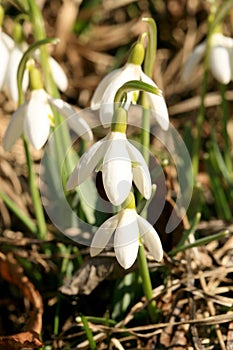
[[121, 163], [129, 229], [221, 58], [103, 97], [11, 54], [15, 57], [35, 117], [4, 58]]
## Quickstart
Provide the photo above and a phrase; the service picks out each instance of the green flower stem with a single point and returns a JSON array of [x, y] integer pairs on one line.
[[99, 320], [145, 130], [145, 143], [62, 135], [89, 334], [146, 283], [227, 150], [151, 49], [39, 213], [40, 34], [221, 12], [199, 126], [201, 113], [15, 209]]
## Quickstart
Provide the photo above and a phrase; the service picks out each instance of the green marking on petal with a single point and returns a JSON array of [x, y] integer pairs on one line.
[[129, 203], [51, 119], [135, 164]]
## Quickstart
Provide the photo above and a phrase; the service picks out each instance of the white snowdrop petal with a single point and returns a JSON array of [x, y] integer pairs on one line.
[[98, 94], [75, 122], [141, 174], [11, 77], [59, 75], [8, 41], [15, 128], [36, 122], [117, 170], [159, 110], [150, 238], [4, 58], [128, 72], [220, 64], [126, 241], [103, 235], [157, 104], [86, 164], [193, 60]]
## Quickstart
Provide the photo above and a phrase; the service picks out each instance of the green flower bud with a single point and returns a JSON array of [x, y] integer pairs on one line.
[[119, 120], [137, 54], [18, 33], [35, 78]]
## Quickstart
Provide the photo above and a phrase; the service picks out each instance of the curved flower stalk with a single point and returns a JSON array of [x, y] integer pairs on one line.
[[35, 117], [220, 58], [130, 229], [103, 97], [120, 161]]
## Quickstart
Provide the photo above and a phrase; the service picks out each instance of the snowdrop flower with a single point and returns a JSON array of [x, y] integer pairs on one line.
[[129, 228], [103, 97], [35, 117], [221, 58], [11, 54], [121, 164], [4, 58]]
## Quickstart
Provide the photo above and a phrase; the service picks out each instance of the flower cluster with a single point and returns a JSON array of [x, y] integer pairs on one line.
[[220, 58], [122, 164]]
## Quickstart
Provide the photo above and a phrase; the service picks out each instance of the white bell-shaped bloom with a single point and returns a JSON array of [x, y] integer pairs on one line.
[[129, 229], [12, 60], [11, 54], [103, 97], [16, 55], [35, 116], [221, 58], [121, 164], [4, 56]]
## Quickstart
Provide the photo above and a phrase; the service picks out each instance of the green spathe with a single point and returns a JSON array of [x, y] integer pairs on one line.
[[35, 78], [119, 120], [137, 54]]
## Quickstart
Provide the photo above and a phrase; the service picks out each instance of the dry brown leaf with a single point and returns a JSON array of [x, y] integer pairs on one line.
[[11, 271]]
